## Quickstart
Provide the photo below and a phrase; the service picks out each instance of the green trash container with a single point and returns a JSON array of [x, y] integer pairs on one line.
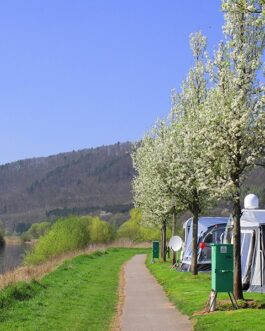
[[222, 267], [155, 249]]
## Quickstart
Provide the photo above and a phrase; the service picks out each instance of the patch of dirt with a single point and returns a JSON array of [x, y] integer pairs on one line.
[[200, 312], [116, 323], [242, 304], [225, 305]]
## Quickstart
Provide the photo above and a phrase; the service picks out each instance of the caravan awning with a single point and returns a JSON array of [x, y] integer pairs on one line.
[[254, 217], [205, 223]]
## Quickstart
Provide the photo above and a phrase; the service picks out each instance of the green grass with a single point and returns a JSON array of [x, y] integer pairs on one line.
[[189, 294], [80, 295]]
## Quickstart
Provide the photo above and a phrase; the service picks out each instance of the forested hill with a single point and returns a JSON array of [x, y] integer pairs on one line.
[[81, 182], [96, 180]]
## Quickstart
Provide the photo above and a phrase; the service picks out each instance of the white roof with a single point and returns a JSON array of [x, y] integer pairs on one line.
[[252, 217], [206, 222]]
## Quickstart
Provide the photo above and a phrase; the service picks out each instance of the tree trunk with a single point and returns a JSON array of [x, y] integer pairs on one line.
[[174, 230], [238, 293], [194, 259], [164, 241]]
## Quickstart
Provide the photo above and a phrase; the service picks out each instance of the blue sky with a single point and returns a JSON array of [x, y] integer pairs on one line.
[[85, 73]]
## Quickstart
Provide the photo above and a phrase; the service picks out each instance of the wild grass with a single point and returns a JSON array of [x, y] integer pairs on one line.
[[12, 240], [189, 294], [79, 295], [36, 272]]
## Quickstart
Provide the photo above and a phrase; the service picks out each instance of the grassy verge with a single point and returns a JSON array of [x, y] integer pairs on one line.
[[80, 295], [190, 294]]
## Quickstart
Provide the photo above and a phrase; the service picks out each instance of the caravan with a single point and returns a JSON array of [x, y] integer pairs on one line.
[[219, 230], [210, 230], [252, 250], [252, 245]]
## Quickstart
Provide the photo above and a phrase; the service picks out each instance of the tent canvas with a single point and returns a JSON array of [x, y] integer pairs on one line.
[[252, 245], [210, 229], [253, 250]]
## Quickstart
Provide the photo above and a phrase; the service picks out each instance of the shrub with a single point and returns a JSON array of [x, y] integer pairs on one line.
[[100, 231], [133, 230], [65, 235], [35, 231], [39, 229]]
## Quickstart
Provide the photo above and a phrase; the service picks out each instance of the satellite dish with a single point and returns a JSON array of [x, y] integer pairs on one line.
[[175, 243], [251, 202]]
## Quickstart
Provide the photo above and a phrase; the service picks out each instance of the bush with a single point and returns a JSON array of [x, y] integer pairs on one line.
[[25, 236], [133, 230], [39, 229], [35, 231], [67, 235], [100, 231]]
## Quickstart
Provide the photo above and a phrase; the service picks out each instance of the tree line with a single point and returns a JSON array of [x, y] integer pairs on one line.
[[214, 133]]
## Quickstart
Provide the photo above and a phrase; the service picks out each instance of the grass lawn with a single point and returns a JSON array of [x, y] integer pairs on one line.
[[189, 293], [80, 295]]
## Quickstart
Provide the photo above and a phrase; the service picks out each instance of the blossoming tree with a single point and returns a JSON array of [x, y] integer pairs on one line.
[[234, 114]]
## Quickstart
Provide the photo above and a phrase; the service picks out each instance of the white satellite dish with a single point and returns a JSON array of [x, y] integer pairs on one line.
[[251, 202], [175, 243]]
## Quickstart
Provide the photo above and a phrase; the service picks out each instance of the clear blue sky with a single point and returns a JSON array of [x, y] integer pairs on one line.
[[83, 73]]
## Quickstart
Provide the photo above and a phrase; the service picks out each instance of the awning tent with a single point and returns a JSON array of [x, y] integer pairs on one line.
[[208, 227], [253, 249], [252, 243]]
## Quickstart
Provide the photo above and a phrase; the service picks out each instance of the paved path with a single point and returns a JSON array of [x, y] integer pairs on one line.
[[146, 307]]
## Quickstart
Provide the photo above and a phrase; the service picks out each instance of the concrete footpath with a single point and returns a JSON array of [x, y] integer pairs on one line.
[[146, 307]]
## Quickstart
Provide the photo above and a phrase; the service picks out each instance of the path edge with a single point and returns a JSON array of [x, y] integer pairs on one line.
[[192, 320], [116, 321]]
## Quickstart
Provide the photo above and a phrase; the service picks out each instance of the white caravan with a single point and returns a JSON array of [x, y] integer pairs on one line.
[[210, 230], [219, 229]]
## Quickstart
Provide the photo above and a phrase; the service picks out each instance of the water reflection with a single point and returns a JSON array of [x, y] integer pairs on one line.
[[11, 256]]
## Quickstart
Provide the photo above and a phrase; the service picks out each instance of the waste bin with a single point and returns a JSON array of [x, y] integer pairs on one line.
[[155, 249], [222, 267]]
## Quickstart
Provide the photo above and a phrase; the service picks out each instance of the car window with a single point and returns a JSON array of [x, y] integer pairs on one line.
[[209, 238]]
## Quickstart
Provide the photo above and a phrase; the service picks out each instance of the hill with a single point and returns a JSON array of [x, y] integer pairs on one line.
[[86, 181], [89, 181]]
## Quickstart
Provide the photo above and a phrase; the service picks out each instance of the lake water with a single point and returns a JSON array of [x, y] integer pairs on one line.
[[11, 256]]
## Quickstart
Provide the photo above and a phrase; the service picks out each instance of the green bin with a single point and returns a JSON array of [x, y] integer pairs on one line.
[[222, 267], [155, 249]]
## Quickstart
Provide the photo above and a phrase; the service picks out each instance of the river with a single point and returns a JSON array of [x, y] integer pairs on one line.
[[11, 256]]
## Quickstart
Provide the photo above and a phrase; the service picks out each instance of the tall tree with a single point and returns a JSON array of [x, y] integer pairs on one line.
[[185, 151], [162, 163], [150, 194], [234, 112], [176, 152]]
